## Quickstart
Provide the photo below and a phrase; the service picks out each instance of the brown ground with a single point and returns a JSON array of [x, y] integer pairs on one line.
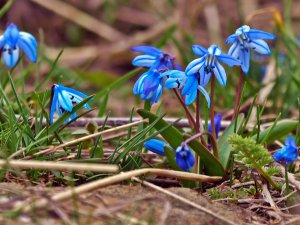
[[119, 204]]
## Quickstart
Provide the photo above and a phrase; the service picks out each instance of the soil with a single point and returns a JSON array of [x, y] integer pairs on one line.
[[119, 204]]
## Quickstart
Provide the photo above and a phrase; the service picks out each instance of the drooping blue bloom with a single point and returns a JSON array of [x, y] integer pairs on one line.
[[217, 121], [63, 99], [156, 146], [208, 63], [153, 57], [175, 79], [12, 40], [149, 86], [178, 79], [245, 39], [288, 154], [184, 158]]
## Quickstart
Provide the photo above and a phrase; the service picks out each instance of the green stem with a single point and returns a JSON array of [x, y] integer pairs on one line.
[[6, 7], [287, 188]]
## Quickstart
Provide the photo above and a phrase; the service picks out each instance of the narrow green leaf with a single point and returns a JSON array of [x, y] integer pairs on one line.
[[171, 134], [224, 146], [211, 165], [170, 155], [283, 128]]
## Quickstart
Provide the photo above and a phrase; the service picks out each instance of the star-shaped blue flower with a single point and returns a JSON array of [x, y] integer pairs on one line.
[[245, 39], [288, 154], [63, 99], [207, 64], [184, 158], [12, 40]]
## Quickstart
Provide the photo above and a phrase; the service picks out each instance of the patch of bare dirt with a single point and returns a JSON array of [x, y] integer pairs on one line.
[[118, 204]]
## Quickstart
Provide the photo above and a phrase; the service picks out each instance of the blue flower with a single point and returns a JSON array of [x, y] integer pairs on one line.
[[149, 86], [178, 79], [208, 63], [245, 39], [63, 99], [175, 79], [153, 57], [184, 158], [156, 146], [12, 40], [288, 154], [217, 121]]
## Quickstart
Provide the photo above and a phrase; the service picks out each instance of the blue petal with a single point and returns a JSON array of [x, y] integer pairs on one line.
[[234, 50], [244, 57], [139, 83], [29, 37], [290, 141], [195, 65], [53, 103], [28, 47], [286, 155], [143, 60], [184, 158], [173, 74], [191, 80], [148, 50], [156, 146], [73, 91], [206, 95], [229, 60], [260, 46], [10, 56], [199, 50], [259, 34], [2, 41], [231, 38], [64, 100], [220, 73], [218, 120], [204, 77], [11, 35]]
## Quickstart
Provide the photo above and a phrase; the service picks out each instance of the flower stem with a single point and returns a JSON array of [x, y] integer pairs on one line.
[[287, 188], [187, 111], [212, 113], [238, 96]]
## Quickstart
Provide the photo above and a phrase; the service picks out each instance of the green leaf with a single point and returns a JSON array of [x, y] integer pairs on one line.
[[283, 128], [224, 147], [171, 134], [175, 138], [211, 165], [170, 155]]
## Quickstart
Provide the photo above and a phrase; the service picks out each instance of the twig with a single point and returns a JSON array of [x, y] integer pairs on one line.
[[64, 195], [118, 121], [64, 166], [201, 208]]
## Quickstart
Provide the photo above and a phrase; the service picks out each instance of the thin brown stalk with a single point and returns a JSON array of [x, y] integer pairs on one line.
[[63, 166]]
